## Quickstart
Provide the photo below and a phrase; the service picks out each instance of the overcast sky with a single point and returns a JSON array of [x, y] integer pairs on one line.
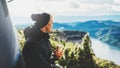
[[65, 7]]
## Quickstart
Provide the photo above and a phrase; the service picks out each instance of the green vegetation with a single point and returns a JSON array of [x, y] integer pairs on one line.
[[110, 35], [21, 38], [75, 55]]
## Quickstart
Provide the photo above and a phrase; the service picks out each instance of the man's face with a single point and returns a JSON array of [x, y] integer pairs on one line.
[[49, 25]]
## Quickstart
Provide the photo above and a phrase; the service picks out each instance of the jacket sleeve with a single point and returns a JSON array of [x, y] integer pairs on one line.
[[38, 59], [53, 58]]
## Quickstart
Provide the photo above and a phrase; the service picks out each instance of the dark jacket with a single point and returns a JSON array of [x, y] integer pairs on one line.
[[37, 52]]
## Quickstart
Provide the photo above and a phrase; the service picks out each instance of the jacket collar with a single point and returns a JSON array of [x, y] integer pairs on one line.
[[37, 34]]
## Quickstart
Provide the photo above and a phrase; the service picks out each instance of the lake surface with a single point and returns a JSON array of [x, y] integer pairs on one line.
[[105, 51]]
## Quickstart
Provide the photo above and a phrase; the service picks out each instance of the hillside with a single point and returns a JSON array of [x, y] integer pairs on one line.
[[110, 35], [78, 51], [107, 31]]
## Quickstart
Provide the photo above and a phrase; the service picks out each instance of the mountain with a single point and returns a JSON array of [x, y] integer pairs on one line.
[[22, 26], [107, 31], [110, 35], [62, 26]]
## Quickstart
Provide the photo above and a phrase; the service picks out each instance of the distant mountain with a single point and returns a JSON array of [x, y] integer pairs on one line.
[[62, 26], [86, 18], [110, 35], [107, 31], [22, 26]]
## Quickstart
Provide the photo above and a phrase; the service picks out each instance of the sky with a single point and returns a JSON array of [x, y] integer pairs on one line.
[[65, 7], [24, 8]]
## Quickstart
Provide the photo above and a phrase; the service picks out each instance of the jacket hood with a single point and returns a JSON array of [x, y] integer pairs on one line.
[[34, 33]]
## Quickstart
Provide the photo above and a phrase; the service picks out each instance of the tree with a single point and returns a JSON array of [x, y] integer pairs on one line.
[[86, 55]]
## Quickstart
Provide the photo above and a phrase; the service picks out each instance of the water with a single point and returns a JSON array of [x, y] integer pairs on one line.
[[105, 51]]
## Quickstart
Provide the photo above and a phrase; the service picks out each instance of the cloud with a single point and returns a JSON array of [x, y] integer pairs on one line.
[[116, 8], [24, 8], [63, 7], [89, 7], [91, 1], [86, 9], [117, 1]]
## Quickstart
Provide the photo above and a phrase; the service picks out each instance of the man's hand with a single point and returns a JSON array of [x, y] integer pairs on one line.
[[59, 52]]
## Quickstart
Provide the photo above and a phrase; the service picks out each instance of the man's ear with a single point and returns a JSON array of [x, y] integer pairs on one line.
[[47, 29], [44, 29]]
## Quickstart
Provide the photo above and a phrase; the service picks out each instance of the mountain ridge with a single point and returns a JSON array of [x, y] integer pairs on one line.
[[107, 31]]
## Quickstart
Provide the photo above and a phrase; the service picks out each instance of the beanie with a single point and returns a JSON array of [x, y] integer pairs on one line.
[[41, 19]]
